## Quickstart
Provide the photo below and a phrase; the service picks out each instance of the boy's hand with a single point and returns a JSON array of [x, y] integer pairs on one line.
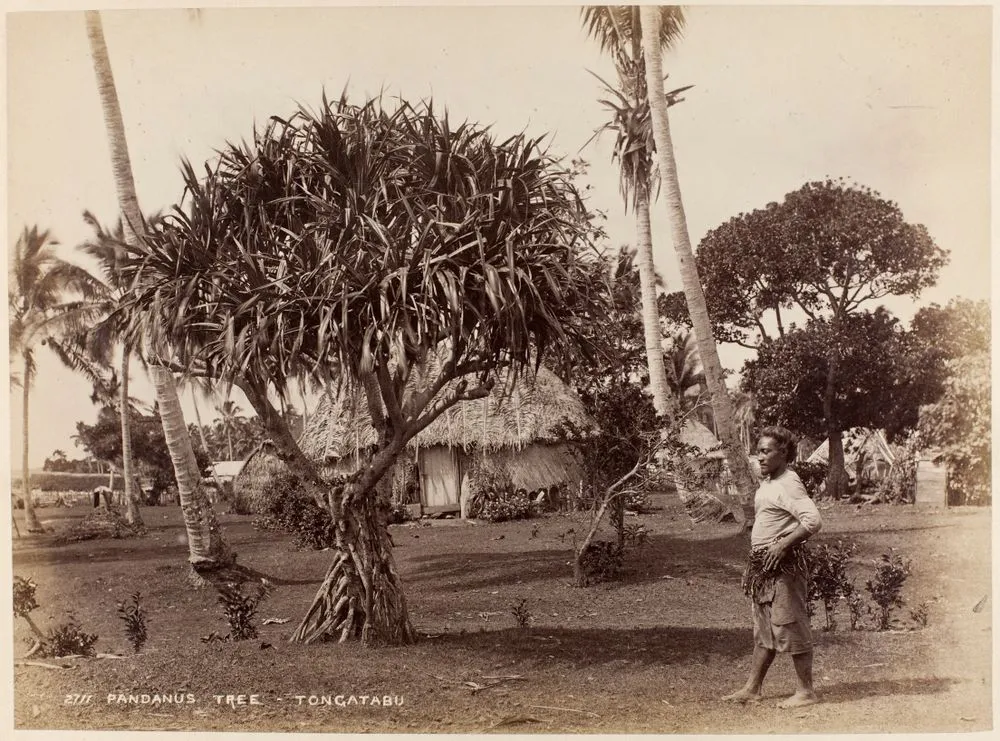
[[775, 552]]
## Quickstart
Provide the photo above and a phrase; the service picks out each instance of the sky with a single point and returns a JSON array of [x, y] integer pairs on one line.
[[897, 98]]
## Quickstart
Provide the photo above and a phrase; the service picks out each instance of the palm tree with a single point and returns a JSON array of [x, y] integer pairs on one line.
[[106, 247], [39, 311], [229, 413], [206, 545], [651, 18], [617, 29]]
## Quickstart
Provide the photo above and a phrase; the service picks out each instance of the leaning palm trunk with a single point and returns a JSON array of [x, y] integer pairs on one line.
[[663, 400], [132, 514], [205, 542], [722, 405], [30, 517]]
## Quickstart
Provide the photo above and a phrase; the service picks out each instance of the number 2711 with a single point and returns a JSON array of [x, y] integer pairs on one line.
[[77, 699]]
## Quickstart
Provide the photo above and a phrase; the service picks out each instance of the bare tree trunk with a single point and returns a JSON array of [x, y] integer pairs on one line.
[[722, 405], [31, 520], [836, 475]]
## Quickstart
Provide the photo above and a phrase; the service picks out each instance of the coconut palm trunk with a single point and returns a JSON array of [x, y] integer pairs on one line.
[[722, 405], [31, 520], [205, 542], [132, 514], [663, 400]]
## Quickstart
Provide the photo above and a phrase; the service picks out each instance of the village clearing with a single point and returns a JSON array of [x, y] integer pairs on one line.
[[651, 652]]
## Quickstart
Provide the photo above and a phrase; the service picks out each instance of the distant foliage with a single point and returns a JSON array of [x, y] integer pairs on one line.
[[899, 485], [59, 481], [959, 426], [130, 611], [886, 586]]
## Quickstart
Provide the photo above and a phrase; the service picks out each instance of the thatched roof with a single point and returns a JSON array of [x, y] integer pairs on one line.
[[855, 440], [538, 409], [255, 475], [694, 433]]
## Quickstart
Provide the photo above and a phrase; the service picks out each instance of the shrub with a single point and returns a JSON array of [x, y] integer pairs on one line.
[[240, 610], [886, 584], [504, 505], [24, 596], [638, 500], [813, 475], [66, 640], [828, 579], [521, 614], [131, 612], [602, 561], [296, 513], [635, 536], [919, 615]]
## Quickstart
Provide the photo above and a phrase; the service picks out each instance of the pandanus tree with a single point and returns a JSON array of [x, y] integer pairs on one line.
[[206, 546], [47, 298], [385, 252], [651, 21]]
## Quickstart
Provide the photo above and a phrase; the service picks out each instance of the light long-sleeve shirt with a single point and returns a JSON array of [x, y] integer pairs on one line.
[[781, 505]]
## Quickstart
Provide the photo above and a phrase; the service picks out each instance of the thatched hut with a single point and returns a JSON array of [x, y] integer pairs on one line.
[[527, 429], [252, 484]]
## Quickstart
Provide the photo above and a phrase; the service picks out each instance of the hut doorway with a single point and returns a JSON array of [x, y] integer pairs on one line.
[[440, 478]]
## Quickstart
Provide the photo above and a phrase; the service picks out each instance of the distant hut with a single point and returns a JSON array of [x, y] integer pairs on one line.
[[528, 429], [866, 452], [253, 482]]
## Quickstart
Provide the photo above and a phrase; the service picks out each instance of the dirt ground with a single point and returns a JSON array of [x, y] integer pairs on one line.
[[651, 652]]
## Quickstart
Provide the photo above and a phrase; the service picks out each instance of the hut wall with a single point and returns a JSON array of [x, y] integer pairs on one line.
[[440, 478], [540, 465]]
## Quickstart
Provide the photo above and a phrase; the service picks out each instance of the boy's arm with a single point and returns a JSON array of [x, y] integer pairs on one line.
[[803, 509]]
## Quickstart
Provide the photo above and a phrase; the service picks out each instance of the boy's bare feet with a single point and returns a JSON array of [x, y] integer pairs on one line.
[[799, 700], [742, 697]]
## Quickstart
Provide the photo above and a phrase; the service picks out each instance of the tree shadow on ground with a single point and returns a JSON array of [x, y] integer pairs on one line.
[[662, 556], [853, 691], [669, 644], [638, 646]]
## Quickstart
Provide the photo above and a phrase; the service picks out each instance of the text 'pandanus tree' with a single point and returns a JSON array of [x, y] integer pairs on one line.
[[379, 249]]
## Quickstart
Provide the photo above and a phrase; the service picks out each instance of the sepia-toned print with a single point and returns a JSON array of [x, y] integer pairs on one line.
[[500, 369]]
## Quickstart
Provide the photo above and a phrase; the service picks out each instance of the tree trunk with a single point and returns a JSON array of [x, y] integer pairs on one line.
[[30, 517], [663, 400], [362, 595], [132, 514], [205, 542], [836, 474], [722, 405]]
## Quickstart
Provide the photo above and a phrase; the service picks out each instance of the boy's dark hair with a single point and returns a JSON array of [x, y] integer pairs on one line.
[[784, 439]]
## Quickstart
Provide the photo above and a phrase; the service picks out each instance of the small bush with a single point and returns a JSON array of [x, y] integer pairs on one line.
[[240, 610], [66, 640], [296, 513], [131, 612], [635, 536], [886, 585], [24, 596], [504, 505], [638, 500], [521, 614], [602, 561], [919, 615], [828, 579]]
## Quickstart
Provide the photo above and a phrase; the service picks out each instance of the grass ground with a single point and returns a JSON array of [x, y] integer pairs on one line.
[[649, 653]]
